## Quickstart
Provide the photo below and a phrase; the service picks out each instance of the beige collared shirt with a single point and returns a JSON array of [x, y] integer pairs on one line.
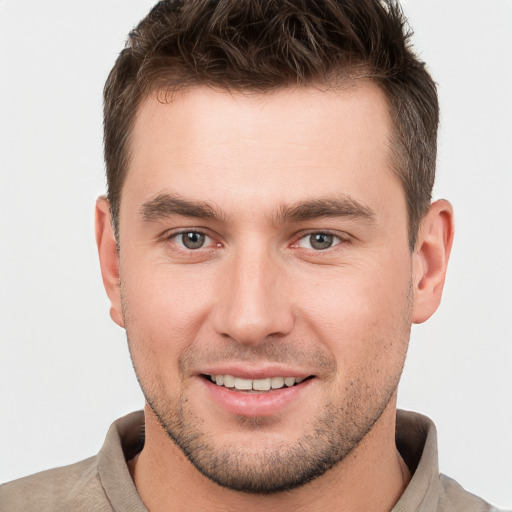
[[103, 483]]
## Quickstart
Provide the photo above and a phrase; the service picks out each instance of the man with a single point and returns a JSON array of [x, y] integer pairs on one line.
[[267, 241]]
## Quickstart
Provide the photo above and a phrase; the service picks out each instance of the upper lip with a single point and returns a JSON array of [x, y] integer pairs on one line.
[[253, 373]]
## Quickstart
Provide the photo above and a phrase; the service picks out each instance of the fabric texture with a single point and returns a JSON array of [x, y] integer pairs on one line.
[[103, 483]]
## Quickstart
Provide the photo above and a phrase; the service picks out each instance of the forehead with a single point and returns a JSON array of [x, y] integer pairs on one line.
[[275, 146]]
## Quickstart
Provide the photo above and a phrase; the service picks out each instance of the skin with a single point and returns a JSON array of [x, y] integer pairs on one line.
[[258, 298]]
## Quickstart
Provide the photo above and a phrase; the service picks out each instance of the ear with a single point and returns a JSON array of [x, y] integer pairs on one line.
[[430, 259], [109, 258]]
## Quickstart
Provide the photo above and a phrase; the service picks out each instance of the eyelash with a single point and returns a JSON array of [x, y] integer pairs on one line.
[[174, 236], [338, 239]]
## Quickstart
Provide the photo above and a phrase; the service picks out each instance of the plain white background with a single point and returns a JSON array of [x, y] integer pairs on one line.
[[65, 374]]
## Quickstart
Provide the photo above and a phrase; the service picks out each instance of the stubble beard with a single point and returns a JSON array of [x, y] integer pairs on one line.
[[275, 468], [278, 467]]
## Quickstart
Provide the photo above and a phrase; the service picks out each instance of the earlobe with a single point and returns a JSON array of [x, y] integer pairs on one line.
[[430, 259], [109, 258]]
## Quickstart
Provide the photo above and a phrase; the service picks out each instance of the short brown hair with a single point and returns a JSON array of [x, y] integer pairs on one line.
[[261, 45]]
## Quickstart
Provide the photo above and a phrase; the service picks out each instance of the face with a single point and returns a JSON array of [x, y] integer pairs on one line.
[[265, 277]]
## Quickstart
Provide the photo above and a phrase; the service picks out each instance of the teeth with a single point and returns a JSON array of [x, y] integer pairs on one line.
[[243, 384], [229, 381], [261, 384], [277, 382], [289, 381]]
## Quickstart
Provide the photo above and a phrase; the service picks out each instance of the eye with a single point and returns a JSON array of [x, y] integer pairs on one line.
[[191, 239], [319, 241]]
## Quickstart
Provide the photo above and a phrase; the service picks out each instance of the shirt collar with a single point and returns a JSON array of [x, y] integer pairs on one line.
[[416, 441]]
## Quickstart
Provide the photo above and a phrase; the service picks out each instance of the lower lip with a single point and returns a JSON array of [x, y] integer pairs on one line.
[[254, 405]]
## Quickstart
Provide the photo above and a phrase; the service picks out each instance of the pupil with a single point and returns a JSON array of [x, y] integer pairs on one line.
[[193, 240], [321, 241]]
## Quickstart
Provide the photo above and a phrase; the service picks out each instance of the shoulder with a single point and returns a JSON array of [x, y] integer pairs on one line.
[[454, 498], [76, 487]]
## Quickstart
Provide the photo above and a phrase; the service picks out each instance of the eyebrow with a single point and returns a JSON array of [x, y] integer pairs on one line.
[[343, 206], [166, 205]]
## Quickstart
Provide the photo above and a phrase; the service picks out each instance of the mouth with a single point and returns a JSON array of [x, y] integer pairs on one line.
[[267, 395], [255, 385]]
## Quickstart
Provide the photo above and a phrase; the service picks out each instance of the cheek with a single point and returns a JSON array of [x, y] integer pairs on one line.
[[360, 312], [158, 291], [164, 311]]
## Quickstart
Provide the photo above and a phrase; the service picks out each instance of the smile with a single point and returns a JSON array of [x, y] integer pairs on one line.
[[261, 397], [239, 384]]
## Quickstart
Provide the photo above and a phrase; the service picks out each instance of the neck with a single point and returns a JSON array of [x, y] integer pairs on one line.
[[371, 478]]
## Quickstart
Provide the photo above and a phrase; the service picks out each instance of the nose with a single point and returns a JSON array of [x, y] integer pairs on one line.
[[253, 303]]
